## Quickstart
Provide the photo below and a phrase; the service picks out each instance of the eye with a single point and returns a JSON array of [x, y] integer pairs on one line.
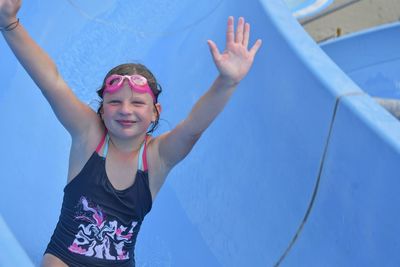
[[138, 103], [114, 102]]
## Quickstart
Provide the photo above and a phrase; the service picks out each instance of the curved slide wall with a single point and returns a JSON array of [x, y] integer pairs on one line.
[[295, 122], [371, 58]]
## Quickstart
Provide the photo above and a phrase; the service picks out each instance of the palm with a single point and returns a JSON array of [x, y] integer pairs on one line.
[[236, 60]]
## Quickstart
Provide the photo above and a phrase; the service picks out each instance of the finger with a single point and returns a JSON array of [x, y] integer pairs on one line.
[[213, 49], [229, 30], [246, 35], [256, 46], [239, 31]]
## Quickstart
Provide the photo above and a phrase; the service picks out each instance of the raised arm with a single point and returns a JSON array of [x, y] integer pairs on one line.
[[233, 65], [72, 113]]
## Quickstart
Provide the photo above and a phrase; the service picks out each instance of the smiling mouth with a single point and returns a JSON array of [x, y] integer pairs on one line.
[[126, 122]]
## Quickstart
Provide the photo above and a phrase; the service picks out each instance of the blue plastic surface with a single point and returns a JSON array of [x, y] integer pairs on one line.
[[12, 254], [306, 8], [371, 58], [240, 196]]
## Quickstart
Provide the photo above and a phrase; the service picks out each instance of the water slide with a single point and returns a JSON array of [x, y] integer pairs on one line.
[[300, 169]]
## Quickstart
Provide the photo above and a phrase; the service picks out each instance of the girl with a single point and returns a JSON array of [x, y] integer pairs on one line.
[[116, 168]]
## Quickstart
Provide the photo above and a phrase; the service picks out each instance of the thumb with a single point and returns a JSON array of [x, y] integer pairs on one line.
[[213, 49]]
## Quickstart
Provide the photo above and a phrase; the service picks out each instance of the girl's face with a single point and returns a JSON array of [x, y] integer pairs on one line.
[[127, 113]]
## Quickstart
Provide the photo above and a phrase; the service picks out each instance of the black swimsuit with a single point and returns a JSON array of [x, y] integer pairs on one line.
[[99, 224]]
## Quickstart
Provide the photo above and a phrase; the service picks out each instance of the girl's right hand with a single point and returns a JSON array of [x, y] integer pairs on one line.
[[8, 11]]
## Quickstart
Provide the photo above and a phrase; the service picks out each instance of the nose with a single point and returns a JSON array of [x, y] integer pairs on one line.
[[125, 109]]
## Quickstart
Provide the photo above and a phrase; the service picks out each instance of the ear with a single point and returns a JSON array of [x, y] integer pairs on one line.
[[101, 112], [159, 109]]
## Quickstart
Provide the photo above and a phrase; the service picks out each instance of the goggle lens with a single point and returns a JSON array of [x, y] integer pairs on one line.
[[138, 83]]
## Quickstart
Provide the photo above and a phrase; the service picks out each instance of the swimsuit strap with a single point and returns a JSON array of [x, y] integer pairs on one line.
[[105, 150], [101, 143], [142, 157], [142, 164]]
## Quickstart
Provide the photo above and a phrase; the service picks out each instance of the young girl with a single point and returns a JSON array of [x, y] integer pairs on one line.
[[116, 168]]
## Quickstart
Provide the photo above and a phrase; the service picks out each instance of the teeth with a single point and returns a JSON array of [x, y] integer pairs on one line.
[[126, 122]]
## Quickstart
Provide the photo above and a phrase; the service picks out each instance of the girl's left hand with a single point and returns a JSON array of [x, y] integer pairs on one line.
[[235, 62], [8, 11]]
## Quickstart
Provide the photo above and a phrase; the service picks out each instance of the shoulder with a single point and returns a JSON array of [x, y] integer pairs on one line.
[[91, 137], [154, 160], [157, 169], [82, 148]]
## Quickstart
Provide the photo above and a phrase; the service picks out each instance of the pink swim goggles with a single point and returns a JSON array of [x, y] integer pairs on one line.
[[137, 83]]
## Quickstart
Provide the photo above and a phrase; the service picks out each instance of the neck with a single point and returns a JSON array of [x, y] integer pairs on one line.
[[127, 146]]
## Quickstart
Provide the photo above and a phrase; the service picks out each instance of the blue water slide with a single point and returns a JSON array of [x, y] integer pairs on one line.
[[371, 58], [12, 254], [300, 169]]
